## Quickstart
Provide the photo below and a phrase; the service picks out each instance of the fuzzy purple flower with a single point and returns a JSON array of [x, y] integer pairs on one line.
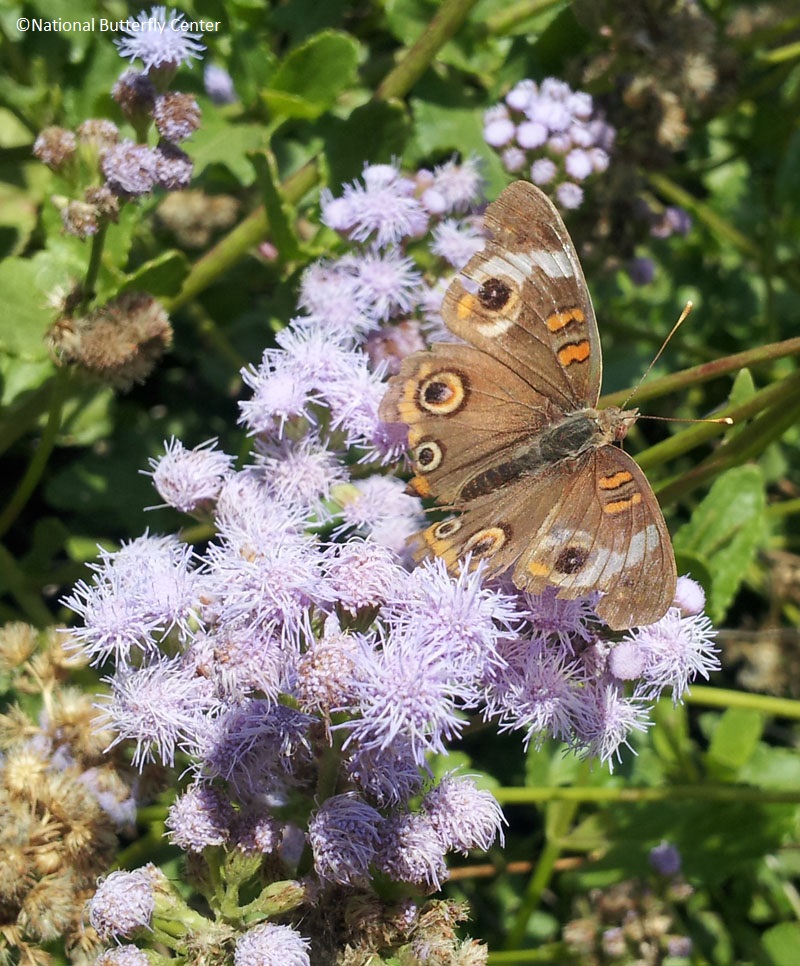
[[665, 859], [124, 902], [131, 169], [344, 834], [464, 816], [200, 817], [190, 479], [271, 945], [160, 707], [411, 851], [676, 649], [160, 40], [219, 85]]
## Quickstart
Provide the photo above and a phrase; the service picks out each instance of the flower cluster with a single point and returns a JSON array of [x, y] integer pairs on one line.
[[552, 134], [117, 169], [295, 665]]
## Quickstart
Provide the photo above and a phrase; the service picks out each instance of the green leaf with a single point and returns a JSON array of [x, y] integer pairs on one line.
[[734, 742], [219, 142], [163, 275], [726, 530], [312, 76], [781, 943], [26, 316], [346, 149], [280, 215]]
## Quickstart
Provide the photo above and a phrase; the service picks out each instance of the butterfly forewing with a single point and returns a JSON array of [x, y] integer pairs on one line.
[[525, 301]]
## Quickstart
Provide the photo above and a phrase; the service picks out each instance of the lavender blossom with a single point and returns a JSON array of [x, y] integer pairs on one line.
[[160, 41], [124, 902], [190, 479], [218, 85], [200, 817], [131, 169], [176, 115], [464, 816], [345, 836], [411, 851], [271, 945]]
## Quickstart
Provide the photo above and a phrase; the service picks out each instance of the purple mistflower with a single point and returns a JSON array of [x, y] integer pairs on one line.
[[131, 169], [324, 673], [665, 859], [690, 597], [122, 956], [676, 650], [362, 574], [383, 208], [282, 390], [160, 40], [514, 159], [578, 164], [254, 745], [239, 659], [411, 851], [137, 595], [174, 167], [459, 613], [605, 720], [521, 94], [121, 810], [256, 586], [456, 241], [300, 474], [177, 116], [569, 195], [498, 128], [335, 301], [124, 902], [160, 707], [464, 816], [411, 691], [249, 518], [200, 817], [354, 400], [219, 85], [641, 270], [190, 479], [389, 776], [539, 691], [255, 832], [388, 346], [135, 93], [344, 835], [271, 945], [388, 282], [382, 509], [563, 619], [457, 187], [543, 171], [627, 661]]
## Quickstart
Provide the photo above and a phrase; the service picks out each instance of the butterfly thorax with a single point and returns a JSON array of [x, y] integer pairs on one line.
[[564, 440]]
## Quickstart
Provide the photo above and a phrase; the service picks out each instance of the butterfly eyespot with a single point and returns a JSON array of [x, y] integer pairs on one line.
[[443, 393], [571, 560], [428, 456], [494, 293], [447, 528], [486, 543]]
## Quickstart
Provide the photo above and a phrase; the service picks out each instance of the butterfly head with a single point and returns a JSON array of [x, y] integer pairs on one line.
[[615, 422]]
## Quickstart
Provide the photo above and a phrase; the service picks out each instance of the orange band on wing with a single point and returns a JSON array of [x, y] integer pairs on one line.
[[574, 352], [559, 320], [615, 481], [619, 505]]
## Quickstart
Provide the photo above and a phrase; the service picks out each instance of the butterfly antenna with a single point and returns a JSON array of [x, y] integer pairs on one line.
[[681, 319]]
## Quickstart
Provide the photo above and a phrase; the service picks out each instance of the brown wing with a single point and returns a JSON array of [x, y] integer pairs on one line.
[[462, 408], [525, 300], [596, 527]]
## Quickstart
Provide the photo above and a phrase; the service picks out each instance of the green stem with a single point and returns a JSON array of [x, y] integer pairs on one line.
[[19, 419], [780, 54], [95, 259], [749, 443], [414, 63], [785, 509], [36, 467], [511, 16], [624, 794], [17, 583], [687, 378], [708, 697]]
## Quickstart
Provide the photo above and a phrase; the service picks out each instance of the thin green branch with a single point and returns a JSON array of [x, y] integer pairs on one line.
[[723, 698], [624, 794], [686, 378], [33, 474], [418, 58], [95, 260], [505, 21]]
